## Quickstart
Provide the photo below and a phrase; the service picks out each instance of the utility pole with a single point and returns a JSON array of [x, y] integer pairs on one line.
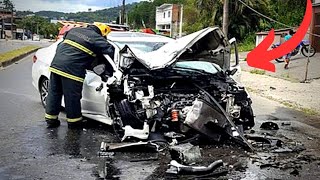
[[11, 21], [123, 11], [225, 20], [181, 19]]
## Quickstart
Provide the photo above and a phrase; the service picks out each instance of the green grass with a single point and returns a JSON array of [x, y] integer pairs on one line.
[[245, 47], [257, 71], [15, 53], [285, 75]]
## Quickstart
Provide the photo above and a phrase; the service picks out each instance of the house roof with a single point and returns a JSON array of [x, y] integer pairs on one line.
[[164, 6], [277, 31]]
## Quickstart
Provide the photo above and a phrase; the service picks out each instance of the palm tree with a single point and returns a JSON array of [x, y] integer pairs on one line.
[[240, 20], [7, 4], [209, 8]]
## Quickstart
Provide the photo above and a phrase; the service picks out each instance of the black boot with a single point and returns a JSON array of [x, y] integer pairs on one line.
[[76, 125], [52, 123]]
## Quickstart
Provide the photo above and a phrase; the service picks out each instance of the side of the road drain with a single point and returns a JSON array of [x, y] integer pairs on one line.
[[17, 58]]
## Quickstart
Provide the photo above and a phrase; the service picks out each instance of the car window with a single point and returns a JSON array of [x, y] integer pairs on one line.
[[142, 46]]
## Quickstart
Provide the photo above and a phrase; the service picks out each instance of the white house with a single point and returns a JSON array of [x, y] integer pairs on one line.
[[168, 19]]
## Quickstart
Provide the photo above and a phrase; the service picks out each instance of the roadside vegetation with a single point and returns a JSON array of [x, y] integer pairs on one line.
[[16, 53], [198, 14], [258, 71], [243, 24]]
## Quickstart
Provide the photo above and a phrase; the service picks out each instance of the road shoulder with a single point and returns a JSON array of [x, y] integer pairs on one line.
[[301, 96], [13, 56]]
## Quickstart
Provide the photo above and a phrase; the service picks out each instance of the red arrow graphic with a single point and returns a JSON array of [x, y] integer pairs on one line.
[[260, 57]]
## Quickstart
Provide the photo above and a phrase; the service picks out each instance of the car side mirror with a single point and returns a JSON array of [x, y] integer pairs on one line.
[[99, 69], [232, 72]]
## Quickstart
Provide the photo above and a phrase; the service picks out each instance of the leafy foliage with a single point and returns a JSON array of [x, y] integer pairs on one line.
[[144, 12], [104, 15], [38, 24], [243, 22], [198, 14]]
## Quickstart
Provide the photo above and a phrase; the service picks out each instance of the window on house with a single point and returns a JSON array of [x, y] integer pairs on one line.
[[163, 27], [164, 15], [169, 13], [167, 26]]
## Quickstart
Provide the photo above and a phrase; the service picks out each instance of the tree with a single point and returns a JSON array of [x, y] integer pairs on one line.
[[40, 25], [7, 4], [209, 9]]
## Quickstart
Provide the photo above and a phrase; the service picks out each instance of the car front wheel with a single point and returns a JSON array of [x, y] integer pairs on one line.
[[43, 89]]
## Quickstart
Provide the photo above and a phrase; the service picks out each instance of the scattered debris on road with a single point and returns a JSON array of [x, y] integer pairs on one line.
[[269, 126], [177, 168], [185, 153]]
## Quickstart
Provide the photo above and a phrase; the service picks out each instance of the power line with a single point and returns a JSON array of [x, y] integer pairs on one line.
[[267, 17]]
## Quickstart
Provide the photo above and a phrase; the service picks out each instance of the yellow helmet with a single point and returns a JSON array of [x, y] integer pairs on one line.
[[105, 29]]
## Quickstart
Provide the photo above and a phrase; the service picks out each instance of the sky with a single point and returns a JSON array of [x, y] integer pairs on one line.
[[66, 5]]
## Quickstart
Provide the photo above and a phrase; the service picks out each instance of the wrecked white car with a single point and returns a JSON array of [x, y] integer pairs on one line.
[[178, 89]]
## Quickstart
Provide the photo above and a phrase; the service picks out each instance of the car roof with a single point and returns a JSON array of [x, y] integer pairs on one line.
[[136, 37]]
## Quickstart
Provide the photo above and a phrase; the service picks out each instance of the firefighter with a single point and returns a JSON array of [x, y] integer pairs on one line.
[[73, 56]]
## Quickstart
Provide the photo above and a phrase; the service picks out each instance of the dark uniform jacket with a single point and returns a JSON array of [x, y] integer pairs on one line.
[[78, 50]]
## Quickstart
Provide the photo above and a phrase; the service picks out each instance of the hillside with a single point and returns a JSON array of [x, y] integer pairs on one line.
[[105, 15]]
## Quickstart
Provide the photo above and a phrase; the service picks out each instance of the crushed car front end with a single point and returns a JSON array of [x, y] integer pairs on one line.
[[183, 91]]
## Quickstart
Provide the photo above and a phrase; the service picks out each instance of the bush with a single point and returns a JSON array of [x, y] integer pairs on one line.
[[248, 43]]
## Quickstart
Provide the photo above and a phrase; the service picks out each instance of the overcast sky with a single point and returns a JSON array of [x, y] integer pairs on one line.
[[66, 5]]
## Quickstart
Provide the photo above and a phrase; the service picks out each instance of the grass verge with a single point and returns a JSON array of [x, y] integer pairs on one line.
[[257, 71], [16, 53], [245, 47]]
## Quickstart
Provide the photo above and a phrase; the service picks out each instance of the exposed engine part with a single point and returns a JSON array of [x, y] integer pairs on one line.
[[203, 118], [186, 104], [232, 109]]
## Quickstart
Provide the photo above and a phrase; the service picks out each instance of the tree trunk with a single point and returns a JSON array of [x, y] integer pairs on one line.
[[225, 21]]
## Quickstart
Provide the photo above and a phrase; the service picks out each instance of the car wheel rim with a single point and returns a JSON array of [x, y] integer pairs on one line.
[[44, 90]]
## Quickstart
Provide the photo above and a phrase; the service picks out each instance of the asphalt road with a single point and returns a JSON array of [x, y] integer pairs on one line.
[[30, 151]]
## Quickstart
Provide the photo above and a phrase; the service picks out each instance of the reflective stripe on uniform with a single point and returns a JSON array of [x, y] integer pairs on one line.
[[79, 46], [64, 74], [48, 116], [74, 119]]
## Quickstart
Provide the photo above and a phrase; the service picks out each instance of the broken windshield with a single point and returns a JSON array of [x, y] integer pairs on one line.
[[206, 67], [142, 46]]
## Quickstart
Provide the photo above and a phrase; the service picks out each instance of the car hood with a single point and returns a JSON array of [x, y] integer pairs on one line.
[[203, 45]]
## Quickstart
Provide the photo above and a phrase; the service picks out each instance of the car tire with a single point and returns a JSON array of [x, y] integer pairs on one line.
[[43, 90]]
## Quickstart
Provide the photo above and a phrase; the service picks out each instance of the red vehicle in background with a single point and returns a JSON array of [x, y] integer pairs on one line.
[[67, 25]]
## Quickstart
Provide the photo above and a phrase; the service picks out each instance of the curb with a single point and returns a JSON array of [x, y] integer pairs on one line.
[[17, 58]]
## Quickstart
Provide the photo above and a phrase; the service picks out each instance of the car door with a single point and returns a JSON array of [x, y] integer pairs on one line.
[[234, 60], [94, 97]]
